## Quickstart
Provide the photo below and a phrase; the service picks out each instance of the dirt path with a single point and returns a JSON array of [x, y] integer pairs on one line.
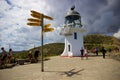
[[64, 68]]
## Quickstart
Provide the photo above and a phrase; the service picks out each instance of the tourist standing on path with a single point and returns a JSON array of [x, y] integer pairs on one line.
[[30, 55], [96, 50], [36, 55], [9, 55], [103, 52], [86, 53], [4, 56], [82, 52]]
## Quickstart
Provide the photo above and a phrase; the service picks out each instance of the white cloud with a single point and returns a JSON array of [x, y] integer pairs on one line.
[[117, 35], [13, 19]]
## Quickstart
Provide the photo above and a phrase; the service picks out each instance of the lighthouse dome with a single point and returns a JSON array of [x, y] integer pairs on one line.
[[72, 14]]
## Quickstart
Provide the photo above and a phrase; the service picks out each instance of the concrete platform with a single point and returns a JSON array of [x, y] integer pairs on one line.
[[66, 68]]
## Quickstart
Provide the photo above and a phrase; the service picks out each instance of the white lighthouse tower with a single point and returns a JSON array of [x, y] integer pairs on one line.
[[73, 33]]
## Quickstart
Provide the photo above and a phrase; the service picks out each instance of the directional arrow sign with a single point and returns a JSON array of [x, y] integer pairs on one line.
[[35, 12], [36, 16], [48, 17], [48, 29], [34, 20], [39, 15], [34, 24], [47, 25]]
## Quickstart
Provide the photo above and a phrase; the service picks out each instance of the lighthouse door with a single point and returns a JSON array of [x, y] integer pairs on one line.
[[69, 47]]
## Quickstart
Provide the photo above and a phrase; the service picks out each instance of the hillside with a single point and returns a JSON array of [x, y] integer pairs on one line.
[[99, 40], [90, 41], [51, 49]]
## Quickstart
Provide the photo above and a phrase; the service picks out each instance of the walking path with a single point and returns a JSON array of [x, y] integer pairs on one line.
[[64, 68]]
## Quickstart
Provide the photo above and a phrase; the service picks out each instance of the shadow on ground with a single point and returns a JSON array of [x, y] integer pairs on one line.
[[69, 73]]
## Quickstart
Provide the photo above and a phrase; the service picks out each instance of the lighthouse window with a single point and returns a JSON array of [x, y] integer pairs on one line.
[[75, 35]]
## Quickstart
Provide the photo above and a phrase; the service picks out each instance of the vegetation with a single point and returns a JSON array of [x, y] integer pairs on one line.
[[52, 49], [99, 40], [21, 55]]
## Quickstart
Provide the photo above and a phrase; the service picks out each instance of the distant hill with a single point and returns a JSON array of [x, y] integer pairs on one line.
[[99, 40], [90, 41], [51, 49]]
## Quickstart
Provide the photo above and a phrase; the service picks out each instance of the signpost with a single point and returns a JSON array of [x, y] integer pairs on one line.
[[38, 20]]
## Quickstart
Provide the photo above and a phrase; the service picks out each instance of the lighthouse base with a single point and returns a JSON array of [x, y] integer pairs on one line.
[[70, 54]]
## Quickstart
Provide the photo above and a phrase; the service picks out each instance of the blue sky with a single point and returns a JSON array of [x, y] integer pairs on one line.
[[98, 16]]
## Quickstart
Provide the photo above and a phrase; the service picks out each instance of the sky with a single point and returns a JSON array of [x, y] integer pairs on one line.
[[98, 17]]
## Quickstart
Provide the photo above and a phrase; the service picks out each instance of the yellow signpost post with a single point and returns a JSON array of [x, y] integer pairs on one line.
[[38, 20]]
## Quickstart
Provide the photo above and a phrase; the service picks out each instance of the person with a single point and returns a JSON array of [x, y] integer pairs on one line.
[[103, 52], [0, 61], [96, 50], [9, 55], [82, 52], [36, 55], [4, 56], [86, 53], [30, 56]]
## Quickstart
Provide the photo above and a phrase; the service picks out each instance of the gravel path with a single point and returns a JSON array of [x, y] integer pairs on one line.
[[64, 68]]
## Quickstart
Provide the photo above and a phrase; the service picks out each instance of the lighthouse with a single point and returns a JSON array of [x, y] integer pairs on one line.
[[73, 33]]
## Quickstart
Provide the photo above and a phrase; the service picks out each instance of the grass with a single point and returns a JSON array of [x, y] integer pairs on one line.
[[116, 56]]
